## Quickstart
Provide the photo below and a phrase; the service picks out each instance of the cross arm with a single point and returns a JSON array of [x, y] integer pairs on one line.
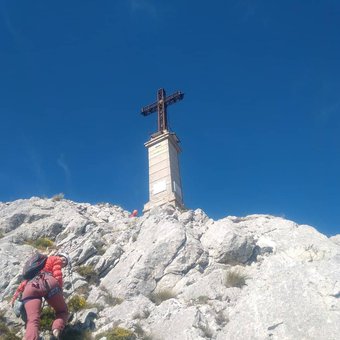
[[146, 110], [173, 98]]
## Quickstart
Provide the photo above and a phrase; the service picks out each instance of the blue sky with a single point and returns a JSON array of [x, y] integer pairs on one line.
[[259, 124]]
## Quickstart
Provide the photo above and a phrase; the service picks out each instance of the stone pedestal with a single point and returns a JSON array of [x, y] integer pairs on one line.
[[165, 184]]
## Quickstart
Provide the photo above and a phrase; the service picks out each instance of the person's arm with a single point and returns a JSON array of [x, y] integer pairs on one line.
[[19, 290]]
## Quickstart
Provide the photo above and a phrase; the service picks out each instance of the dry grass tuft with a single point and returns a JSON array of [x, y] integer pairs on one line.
[[234, 278]]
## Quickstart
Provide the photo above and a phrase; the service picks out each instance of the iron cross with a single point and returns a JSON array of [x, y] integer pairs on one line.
[[162, 103]]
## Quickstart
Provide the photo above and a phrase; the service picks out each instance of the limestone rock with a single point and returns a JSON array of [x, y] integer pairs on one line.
[[144, 264], [173, 274], [173, 320], [335, 239], [227, 244]]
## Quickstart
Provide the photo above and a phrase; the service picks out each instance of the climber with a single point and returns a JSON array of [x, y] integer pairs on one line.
[[46, 284], [134, 213]]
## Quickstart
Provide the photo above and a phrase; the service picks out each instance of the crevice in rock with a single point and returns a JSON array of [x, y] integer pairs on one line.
[[274, 326]]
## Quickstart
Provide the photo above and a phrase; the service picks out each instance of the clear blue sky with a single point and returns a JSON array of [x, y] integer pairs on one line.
[[259, 124]]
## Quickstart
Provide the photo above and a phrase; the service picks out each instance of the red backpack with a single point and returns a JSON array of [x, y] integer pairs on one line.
[[33, 266]]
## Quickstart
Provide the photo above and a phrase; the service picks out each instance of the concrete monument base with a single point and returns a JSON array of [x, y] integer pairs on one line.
[[165, 184]]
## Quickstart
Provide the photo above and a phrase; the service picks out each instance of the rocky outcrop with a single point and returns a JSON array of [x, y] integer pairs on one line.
[[180, 275]]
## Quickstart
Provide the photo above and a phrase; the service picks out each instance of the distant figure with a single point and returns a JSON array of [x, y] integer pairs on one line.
[[134, 213], [43, 279]]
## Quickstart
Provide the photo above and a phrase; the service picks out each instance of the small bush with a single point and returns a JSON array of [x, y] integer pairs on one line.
[[1, 234], [42, 243], [5, 332], [83, 290], [2, 315], [3, 328], [46, 318], [202, 300], [109, 298], [112, 300], [235, 278], [88, 273], [141, 334], [58, 197], [158, 297], [100, 249], [143, 315], [117, 333], [77, 303], [9, 336]]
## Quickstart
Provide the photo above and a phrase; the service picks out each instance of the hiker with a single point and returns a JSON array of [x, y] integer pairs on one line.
[[134, 213], [47, 284]]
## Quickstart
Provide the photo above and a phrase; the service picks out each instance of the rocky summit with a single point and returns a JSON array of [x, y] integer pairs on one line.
[[173, 274]]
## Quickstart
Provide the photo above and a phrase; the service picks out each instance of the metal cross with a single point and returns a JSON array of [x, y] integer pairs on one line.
[[161, 105]]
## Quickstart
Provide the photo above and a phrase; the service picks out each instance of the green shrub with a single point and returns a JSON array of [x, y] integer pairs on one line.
[[109, 298], [100, 249], [83, 290], [9, 336], [5, 332], [88, 273], [141, 315], [1, 234], [140, 333], [160, 296], [202, 300], [235, 278], [117, 333], [2, 315], [42, 243], [112, 300], [3, 328], [77, 303], [46, 318]]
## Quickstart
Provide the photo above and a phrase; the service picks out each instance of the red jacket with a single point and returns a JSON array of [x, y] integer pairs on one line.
[[53, 265]]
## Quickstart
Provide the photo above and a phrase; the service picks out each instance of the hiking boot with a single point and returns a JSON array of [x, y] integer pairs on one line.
[[56, 333]]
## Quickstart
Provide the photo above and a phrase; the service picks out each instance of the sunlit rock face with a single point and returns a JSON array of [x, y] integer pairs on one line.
[[174, 274]]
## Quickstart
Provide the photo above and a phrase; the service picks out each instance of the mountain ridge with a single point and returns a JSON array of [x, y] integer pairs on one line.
[[286, 276]]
